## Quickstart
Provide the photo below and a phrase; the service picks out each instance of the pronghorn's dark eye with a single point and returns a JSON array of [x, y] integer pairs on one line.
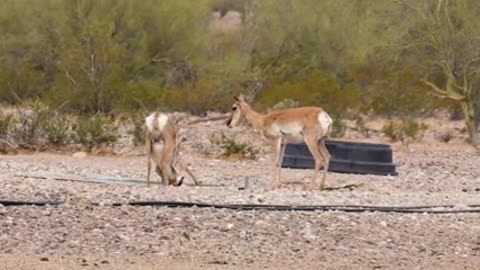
[[234, 108]]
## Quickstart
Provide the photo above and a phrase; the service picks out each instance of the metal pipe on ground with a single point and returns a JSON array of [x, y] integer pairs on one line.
[[430, 209]]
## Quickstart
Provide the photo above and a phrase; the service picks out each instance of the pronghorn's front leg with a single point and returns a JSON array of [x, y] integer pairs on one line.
[[277, 148], [186, 168], [280, 161], [148, 148]]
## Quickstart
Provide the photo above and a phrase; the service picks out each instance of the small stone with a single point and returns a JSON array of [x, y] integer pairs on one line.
[[44, 259], [124, 237], [80, 155]]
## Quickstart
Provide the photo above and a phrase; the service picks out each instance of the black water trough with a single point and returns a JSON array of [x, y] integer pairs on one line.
[[347, 157]]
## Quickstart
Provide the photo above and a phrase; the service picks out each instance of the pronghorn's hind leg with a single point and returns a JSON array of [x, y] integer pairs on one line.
[[311, 140], [326, 158]]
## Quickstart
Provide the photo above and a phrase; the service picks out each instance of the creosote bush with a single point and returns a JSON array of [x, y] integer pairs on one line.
[[95, 131], [404, 130], [30, 129], [6, 124], [137, 129], [231, 148]]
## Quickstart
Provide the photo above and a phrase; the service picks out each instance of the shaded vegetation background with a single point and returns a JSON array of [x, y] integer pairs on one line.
[[349, 57]]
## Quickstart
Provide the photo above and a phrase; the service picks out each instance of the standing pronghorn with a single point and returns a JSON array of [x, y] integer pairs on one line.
[[311, 123], [159, 128]]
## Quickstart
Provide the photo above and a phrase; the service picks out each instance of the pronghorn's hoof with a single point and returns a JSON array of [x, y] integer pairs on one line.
[[180, 182], [323, 186]]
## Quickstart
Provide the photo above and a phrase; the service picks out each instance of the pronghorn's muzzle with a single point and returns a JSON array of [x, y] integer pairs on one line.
[[229, 121]]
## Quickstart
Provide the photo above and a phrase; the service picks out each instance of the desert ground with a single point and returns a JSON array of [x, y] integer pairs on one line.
[[78, 235]]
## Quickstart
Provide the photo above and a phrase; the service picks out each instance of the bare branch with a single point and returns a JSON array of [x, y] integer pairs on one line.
[[160, 60], [14, 93], [74, 82], [441, 93], [278, 56]]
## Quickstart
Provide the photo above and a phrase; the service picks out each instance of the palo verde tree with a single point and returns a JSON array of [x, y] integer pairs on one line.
[[444, 38]]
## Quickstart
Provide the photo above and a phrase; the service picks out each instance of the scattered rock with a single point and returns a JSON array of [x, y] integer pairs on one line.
[[80, 155]]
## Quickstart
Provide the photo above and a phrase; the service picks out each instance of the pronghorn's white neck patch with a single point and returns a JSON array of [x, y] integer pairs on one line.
[[156, 121]]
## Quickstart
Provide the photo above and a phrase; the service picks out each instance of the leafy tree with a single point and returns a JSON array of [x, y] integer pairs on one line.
[[443, 38]]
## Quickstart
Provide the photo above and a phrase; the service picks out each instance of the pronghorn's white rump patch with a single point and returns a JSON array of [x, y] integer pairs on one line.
[[156, 121], [325, 121]]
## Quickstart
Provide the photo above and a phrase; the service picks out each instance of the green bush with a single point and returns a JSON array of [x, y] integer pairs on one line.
[[361, 126], [338, 127], [30, 132], [314, 88], [137, 129], [234, 149], [6, 124], [404, 130], [58, 130], [95, 131]]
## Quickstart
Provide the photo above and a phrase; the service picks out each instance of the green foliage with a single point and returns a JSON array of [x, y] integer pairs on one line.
[[361, 126], [286, 104], [346, 56], [6, 124], [404, 130], [315, 88], [30, 130], [36, 127], [95, 131], [338, 127], [234, 149], [137, 129], [58, 130]]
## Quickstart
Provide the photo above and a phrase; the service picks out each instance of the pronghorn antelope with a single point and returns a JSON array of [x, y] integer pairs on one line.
[[161, 147], [312, 124]]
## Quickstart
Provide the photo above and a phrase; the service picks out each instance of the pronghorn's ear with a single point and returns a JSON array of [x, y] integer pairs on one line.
[[241, 97]]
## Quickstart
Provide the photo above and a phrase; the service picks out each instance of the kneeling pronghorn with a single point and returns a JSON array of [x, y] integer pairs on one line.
[[161, 147], [312, 124]]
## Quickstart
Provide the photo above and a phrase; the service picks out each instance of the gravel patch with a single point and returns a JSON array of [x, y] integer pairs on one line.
[[78, 235]]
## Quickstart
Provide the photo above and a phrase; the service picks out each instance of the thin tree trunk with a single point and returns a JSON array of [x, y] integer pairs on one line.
[[470, 121]]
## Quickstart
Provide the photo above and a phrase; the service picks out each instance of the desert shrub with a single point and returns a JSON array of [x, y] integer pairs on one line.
[[137, 129], [361, 126], [29, 132], [95, 131], [35, 127], [58, 130], [445, 136], [314, 88], [338, 127], [404, 130], [231, 148], [6, 124], [286, 104]]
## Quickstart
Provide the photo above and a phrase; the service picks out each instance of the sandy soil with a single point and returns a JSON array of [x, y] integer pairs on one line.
[[80, 236]]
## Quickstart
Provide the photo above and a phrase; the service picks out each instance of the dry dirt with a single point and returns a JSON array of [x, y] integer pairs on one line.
[[80, 236]]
